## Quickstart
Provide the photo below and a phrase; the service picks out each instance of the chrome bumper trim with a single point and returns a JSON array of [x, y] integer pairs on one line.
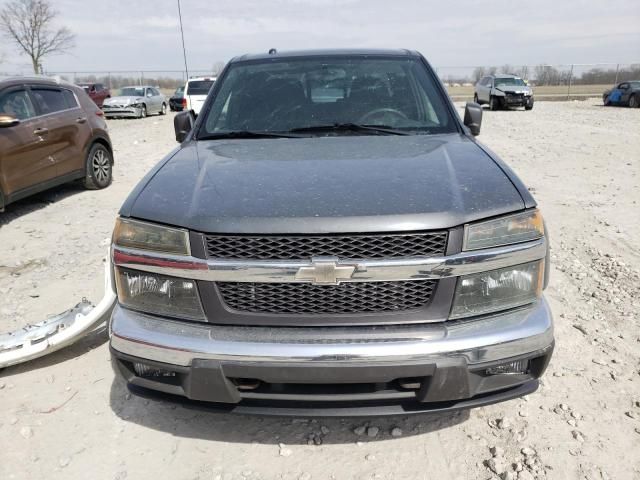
[[485, 339], [368, 270]]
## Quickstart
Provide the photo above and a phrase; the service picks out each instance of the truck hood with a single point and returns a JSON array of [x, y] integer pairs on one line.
[[326, 184]]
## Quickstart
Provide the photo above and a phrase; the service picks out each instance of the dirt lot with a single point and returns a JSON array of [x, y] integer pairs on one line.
[[65, 416]]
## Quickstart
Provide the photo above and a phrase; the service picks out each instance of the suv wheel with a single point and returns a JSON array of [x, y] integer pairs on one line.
[[493, 103], [529, 105], [143, 111], [163, 110], [99, 173], [634, 102]]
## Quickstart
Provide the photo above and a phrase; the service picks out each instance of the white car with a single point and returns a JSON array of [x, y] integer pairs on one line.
[[135, 102], [196, 91]]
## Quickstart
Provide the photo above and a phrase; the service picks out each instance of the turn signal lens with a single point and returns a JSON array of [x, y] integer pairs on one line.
[[522, 227], [148, 236]]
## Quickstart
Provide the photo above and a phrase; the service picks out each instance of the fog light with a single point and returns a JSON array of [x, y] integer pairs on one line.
[[143, 370], [518, 367]]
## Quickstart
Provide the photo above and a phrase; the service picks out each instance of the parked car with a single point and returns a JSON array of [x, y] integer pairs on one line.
[[96, 91], [177, 102], [135, 102], [196, 91], [330, 238], [50, 133], [625, 93], [503, 91]]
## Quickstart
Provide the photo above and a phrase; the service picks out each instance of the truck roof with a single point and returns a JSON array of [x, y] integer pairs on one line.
[[325, 52]]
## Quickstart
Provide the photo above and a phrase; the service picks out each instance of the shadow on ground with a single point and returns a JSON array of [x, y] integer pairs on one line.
[[38, 201], [183, 421]]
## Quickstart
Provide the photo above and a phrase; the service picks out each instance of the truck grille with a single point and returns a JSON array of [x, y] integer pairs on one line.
[[309, 299], [272, 247]]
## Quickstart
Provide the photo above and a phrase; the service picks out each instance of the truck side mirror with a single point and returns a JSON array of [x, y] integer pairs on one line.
[[473, 117], [183, 124]]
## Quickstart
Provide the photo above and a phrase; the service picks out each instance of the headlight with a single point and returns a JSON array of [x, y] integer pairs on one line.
[[148, 236], [159, 294], [521, 227], [498, 290]]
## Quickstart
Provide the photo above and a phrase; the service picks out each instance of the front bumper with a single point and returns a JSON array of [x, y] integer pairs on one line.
[[176, 105], [516, 100], [129, 112], [333, 370]]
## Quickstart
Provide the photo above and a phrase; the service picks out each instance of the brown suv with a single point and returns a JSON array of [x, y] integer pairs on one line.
[[50, 133]]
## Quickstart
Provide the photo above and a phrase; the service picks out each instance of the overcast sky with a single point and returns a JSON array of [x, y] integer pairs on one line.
[[144, 34]]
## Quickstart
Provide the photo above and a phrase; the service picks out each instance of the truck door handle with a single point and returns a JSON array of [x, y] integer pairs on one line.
[[41, 131], [81, 119]]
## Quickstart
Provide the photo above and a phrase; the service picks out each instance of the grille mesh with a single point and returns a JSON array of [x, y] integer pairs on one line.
[[309, 299], [305, 246]]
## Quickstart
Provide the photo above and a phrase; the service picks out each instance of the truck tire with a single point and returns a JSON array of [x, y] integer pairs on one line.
[[98, 168]]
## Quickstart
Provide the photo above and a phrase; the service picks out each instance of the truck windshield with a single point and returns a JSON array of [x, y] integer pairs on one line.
[[299, 94]]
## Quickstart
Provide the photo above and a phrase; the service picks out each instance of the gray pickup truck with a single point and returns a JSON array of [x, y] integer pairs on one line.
[[330, 239]]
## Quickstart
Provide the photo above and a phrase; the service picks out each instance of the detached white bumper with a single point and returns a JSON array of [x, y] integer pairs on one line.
[[37, 340]]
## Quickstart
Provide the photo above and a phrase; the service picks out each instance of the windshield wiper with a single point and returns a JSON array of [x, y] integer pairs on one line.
[[350, 127], [246, 134]]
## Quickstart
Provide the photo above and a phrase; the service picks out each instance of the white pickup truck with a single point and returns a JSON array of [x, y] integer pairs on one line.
[[196, 91]]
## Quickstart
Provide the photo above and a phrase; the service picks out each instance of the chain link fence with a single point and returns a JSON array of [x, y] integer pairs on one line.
[[166, 80], [559, 82]]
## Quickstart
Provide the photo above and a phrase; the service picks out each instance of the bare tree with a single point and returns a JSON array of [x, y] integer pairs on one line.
[[217, 67], [506, 68], [478, 73], [29, 24]]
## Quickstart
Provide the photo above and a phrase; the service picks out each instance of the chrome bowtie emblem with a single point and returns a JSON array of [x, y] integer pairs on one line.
[[326, 271]]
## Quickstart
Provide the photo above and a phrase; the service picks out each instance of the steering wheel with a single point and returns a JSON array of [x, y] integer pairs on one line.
[[364, 118]]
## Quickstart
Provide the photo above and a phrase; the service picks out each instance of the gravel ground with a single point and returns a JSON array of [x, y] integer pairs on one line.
[[65, 415]]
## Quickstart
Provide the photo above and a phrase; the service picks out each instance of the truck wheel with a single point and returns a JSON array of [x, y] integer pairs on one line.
[[634, 102], [98, 168], [493, 103]]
